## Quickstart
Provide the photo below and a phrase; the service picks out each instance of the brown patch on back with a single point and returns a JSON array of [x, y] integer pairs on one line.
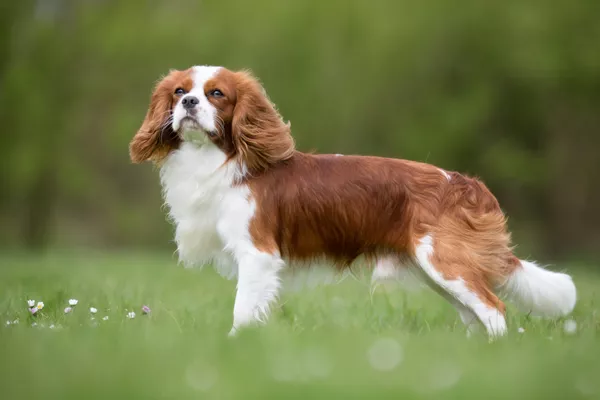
[[312, 206]]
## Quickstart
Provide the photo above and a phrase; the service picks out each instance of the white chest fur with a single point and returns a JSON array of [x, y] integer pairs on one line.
[[210, 213]]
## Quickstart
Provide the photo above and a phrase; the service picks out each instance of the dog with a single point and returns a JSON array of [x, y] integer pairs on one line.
[[243, 198]]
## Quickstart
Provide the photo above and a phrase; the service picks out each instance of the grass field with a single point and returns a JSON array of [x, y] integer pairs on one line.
[[328, 342]]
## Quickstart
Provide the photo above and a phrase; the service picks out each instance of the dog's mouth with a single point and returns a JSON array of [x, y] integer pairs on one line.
[[191, 130], [189, 123]]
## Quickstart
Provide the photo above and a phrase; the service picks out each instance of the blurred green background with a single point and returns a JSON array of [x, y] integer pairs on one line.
[[508, 91]]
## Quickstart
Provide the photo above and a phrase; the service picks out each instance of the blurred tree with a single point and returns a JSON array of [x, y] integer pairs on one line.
[[507, 91]]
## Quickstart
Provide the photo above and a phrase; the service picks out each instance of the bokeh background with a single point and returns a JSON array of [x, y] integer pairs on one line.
[[508, 91]]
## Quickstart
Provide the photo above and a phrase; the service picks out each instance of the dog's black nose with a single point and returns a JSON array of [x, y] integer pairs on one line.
[[190, 101]]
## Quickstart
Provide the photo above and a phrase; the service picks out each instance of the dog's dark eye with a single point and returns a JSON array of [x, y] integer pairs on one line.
[[179, 91], [216, 93]]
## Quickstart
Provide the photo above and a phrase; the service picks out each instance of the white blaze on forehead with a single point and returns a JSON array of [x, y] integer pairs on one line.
[[205, 112], [202, 74]]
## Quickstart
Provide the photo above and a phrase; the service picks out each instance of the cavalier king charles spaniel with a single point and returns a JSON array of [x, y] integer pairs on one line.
[[243, 198]]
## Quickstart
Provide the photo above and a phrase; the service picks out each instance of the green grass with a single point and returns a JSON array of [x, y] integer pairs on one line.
[[325, 342]]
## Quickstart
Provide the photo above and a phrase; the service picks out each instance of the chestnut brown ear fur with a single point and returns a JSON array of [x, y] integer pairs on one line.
[[260, 136], [155, 138]]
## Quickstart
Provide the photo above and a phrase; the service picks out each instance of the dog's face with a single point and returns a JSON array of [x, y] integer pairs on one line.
[[204, 104], [213, 105]]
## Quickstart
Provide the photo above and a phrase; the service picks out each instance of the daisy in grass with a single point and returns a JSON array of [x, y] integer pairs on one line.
[[33, 308]]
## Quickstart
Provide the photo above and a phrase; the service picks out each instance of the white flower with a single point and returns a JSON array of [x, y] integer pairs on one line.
[[51, 326], [40, 305], [73, 302], [93, 310], [105, 318], [34, 324], [68, 310], [31, 303], [130, 315], [521, 330], [16, 322], [8, 323]]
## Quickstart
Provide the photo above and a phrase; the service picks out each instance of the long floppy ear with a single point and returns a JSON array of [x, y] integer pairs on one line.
[[155, 138], [259, 135]]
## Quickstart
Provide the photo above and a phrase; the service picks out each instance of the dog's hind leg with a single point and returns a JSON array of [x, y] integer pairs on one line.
[[469, 293]]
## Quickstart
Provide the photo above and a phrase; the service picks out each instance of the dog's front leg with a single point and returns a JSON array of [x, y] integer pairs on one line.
[[257, 287]]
